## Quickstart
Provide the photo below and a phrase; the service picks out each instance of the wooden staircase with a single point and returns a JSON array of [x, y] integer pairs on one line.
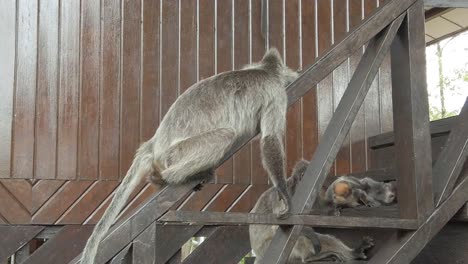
[[429, 194]]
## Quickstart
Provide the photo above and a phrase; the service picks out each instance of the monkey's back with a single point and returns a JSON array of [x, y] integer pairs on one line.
[[228, 100]]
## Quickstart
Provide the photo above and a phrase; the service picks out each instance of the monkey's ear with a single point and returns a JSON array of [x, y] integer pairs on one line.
[[272, 58]]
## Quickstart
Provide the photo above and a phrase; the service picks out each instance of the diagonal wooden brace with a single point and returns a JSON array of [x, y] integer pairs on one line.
[[450, 161], [305, 196]]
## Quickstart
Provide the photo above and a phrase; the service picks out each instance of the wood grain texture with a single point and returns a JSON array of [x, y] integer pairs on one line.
[[309, 110], [340, 82], [131, 73], [25, 90], [69, 91], [15, 237], [47, 90], [110, 92], [63, 247], [188, 44], [411, 118], [88, 133], [150, 86], [293, 139], [7, 75]]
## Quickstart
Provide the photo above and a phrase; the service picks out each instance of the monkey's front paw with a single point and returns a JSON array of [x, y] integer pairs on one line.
[[337, 212], [367, 243], [283, 214]]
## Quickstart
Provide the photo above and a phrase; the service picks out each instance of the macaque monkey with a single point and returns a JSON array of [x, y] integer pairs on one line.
[[310, 246], [348, 191], [201, 127]]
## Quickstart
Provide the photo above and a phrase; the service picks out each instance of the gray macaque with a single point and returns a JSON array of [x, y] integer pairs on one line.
[[349, 191], [311, 246], [201, 127]]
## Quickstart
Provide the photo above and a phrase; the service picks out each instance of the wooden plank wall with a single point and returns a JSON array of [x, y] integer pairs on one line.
[[84, 82]]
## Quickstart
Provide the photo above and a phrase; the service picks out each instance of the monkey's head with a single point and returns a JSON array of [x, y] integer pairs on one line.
[[272, 62], [385, 193]]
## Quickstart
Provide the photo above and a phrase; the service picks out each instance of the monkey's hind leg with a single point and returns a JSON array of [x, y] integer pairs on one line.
[[188, 158]]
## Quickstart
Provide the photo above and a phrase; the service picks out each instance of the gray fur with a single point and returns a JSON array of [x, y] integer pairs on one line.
[[202, 125], [365, 191], [304, 249]]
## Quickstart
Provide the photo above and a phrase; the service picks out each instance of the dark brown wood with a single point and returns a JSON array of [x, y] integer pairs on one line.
[[293, 138], [248, 199], [309, 111], [405, 246], [110, 91], [63, 247], [451, 159], [11, 210], [450, 245], [14, 237], [42, 191], [231, 243], [55, 207], [144, 246], [188, 44], [446, 3], [411, 118], [438, 128], [123, 233], [226, 197], [325, 87], [150, 86], [358, 128], [47, 91], [340, 81], [198, 200], [8, 53], [131, 78], [25, 91], [69, 89], [221, 218], [435, 12], [124, 256], [87, 203], [170, 238], [333, 138], [20, 190], [88, 128], [342, 50]]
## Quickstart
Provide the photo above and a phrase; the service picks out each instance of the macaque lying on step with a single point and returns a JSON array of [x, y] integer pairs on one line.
[[349, 191], [306, 248]]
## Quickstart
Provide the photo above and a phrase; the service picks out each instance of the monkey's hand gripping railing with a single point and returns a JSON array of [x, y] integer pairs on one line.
[[399, 26]]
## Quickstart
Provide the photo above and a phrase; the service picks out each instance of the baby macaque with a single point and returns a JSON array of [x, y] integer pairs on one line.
[[310, 246], [349, 191]]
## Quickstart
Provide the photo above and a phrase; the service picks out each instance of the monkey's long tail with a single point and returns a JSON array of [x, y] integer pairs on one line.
[[141, 166]]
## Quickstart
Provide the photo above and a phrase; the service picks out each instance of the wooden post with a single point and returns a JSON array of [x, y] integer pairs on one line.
[[411, 117], [450, 161]]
